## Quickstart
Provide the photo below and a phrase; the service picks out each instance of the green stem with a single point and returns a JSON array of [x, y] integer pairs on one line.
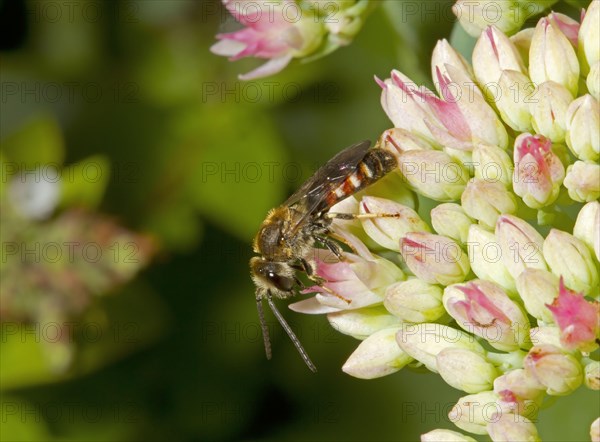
[[507, 361]]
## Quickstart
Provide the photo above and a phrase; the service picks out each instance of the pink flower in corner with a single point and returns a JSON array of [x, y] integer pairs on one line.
[[578, 319], [269, 33]]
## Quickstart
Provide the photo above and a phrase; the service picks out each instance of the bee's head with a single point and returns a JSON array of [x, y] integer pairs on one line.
[[278, 277]]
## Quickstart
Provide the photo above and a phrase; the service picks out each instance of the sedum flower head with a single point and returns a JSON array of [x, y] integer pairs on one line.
[[498, 301]]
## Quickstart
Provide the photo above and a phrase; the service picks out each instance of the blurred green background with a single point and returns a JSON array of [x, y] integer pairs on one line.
[[151, 133]]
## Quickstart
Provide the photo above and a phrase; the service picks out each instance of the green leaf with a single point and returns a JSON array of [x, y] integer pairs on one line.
[[35, 144], [83, 183], [21, 421]]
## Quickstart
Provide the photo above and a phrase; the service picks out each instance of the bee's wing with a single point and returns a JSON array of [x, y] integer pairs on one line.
[[312, 193]]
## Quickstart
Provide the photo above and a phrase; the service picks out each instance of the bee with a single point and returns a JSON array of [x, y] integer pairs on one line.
[[287, 236]]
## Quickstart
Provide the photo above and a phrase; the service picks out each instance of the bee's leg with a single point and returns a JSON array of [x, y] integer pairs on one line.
[[332, 246], [351, 216]]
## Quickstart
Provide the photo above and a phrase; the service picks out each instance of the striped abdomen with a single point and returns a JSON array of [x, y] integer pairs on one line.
[[374, 166]]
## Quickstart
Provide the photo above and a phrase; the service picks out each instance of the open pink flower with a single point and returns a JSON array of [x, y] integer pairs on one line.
[[578, 319], [269, 33]]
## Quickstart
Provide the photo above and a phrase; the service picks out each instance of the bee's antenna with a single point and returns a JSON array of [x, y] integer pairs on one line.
[[264, 328], [290, 333]]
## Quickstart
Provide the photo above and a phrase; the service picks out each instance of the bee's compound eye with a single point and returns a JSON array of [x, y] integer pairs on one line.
[[281, 282]]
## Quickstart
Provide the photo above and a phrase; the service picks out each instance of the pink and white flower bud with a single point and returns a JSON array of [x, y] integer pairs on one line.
[[414, 301], [269, 34], [405, 105], [593, 81], [538, 171], [387, 231], [507, 427], [595, 431], [521, 245], [592, 375], [559, 372], [449, 219], [377, 356], [434, 258], [398, 141], [548, 107], [577, 318], [426, 340], [445, 436], [485, 257], [570, 258], [537, 288], [589, 37], [483, 308], [433, 174], [552, 57], [492, 164], [583, 128], [583, 181], [513, 102], [546, 335], [587, 226], [486, 201], [363, 322], [472, 413], [466, 370], [444, 54], [519, 392], [492, 54]]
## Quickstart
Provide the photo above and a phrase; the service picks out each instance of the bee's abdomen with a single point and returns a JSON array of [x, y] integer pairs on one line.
[[374, 166]]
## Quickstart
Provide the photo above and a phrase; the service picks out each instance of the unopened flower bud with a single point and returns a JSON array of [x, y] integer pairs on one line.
[[595, 431], [472, 413], [377, 356], [493, 53], [522, 41], [414, 301], [537, 288], [589, 37], [445, 436], [559, 372], [483, 308], [486, 201], [519, 392], [521, 245], [548, 107], [552, 57], [434, 258], [513, 100], [538, 171], [583, 128], [387, 231], [426, 340], [508, 427], [398, 141], [587, 226], [485, 257], [583, 181], [363, 322], [444, 54], [570, 258], [593, 81], [449, 219], [466, 370], [546, 335], [592, 375], [434, 174], [492, 164]]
